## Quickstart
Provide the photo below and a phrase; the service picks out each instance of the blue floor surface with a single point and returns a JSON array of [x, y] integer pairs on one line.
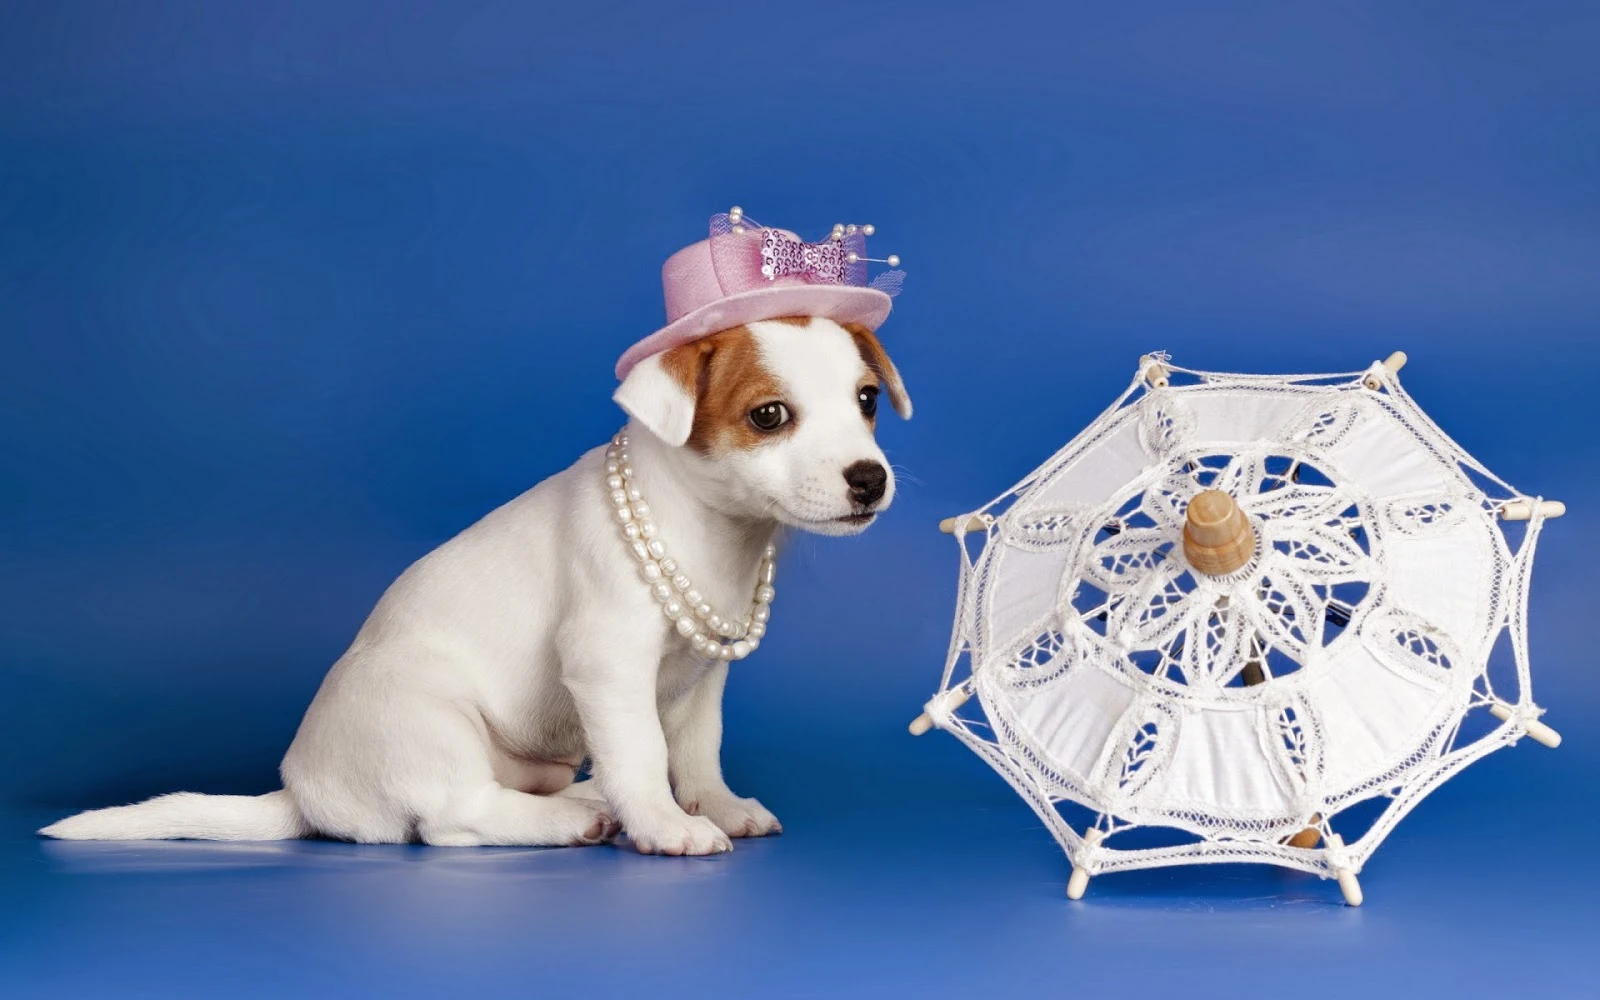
[[946, 887]]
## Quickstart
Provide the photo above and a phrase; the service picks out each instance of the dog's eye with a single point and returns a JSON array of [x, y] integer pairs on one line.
[[868, 397], [769, 416]]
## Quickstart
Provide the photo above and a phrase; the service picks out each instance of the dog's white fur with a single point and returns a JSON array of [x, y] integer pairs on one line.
[[528, 643]]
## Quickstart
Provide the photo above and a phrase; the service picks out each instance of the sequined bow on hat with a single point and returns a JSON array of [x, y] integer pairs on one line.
[[783, 254]]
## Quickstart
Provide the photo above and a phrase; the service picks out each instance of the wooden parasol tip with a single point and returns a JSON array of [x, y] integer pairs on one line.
[[1217, 537]]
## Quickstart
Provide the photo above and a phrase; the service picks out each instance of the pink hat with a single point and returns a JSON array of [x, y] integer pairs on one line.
[[746, 272]]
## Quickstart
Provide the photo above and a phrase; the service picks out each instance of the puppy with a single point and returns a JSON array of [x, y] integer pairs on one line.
[[498, 664]]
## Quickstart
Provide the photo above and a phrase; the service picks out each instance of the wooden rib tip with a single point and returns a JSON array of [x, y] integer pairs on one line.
[[945, 702], [1393, 363], [1350, 887], [1156, 374], [1078, 883], [1537, 731], [974, 523], [1523, 510]]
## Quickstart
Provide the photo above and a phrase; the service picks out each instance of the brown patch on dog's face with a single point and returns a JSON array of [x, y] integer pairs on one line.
[[725, 375], [793, 320], [878, 362]]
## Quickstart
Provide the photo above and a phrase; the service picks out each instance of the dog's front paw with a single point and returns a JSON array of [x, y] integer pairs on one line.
[[734, 816], [678, 834]]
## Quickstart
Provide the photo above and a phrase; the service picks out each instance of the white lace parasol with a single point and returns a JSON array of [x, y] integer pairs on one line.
[[1277, 672]]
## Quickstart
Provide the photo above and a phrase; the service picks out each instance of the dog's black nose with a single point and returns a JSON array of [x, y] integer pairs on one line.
[[867, 480]]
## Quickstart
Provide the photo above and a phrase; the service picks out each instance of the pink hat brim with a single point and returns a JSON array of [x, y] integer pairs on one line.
[[840, 303]]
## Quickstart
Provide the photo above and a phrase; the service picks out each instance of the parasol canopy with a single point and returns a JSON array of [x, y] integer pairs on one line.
[[1257, 618]]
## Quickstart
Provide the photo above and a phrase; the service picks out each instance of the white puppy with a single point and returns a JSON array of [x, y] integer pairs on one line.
[[500, 662]]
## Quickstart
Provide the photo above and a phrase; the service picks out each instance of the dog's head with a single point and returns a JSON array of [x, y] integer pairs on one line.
[[778, 417]]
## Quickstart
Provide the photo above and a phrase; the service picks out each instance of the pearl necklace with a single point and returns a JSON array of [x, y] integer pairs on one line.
[[683, 605]]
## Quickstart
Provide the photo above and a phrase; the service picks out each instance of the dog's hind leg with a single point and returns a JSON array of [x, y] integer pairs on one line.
[[421, 767], [491, 815], [489, 799], [587, 790]]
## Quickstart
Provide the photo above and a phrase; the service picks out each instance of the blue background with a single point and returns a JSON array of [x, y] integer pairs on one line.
[[292, 292]]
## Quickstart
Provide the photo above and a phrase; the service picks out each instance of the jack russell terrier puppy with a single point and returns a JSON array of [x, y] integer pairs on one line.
[[561, 629]]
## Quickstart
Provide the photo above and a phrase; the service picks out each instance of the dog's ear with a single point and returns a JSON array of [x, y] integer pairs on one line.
[[661, 390], [877, 359]]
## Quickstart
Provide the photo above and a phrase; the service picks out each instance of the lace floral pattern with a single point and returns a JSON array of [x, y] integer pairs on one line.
[[1274, 614]]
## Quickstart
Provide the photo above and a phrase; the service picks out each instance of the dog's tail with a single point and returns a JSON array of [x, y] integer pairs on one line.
[[190, 816]]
